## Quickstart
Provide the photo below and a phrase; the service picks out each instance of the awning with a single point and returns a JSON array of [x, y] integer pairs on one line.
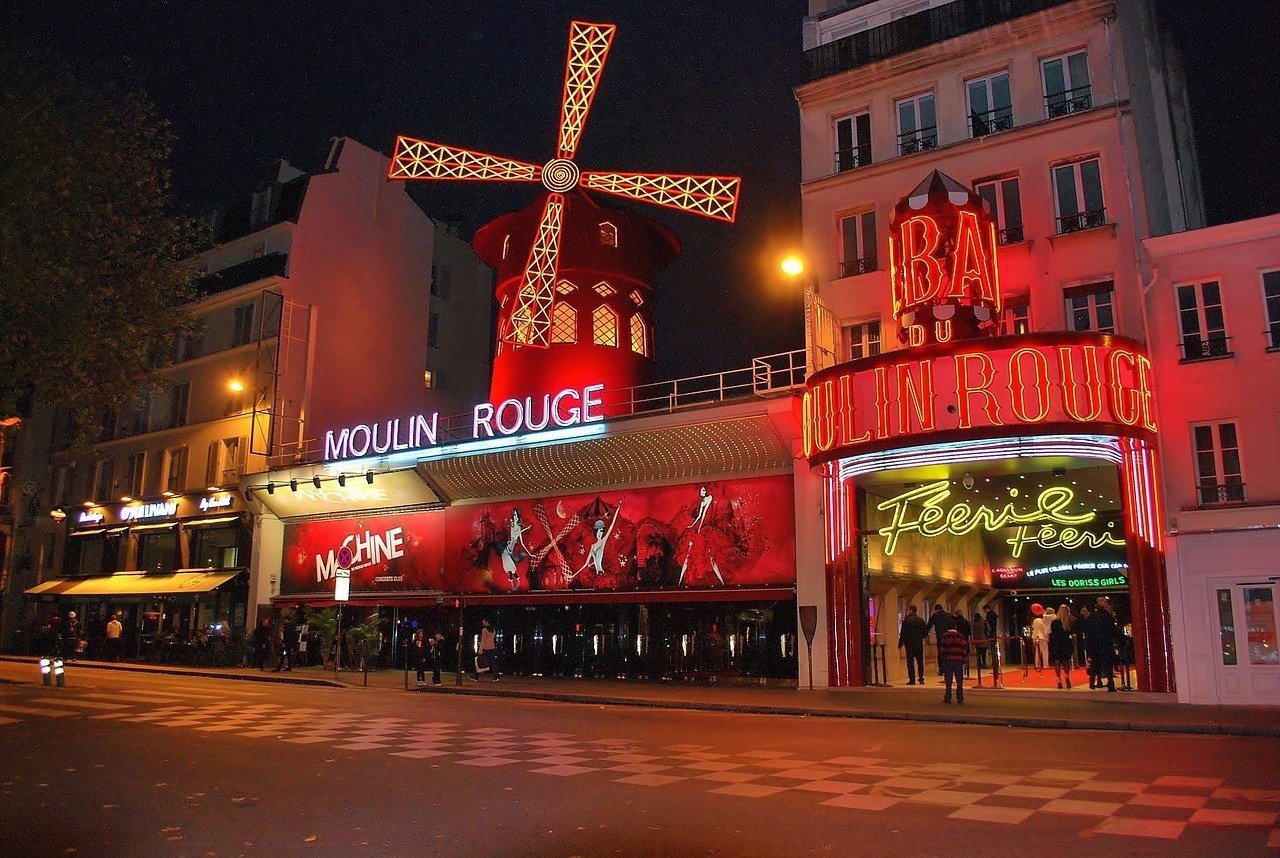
[[134, 584], [210, 522]]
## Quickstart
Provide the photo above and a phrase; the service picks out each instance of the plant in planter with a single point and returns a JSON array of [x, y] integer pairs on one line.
[[323, 624], [365, 641]]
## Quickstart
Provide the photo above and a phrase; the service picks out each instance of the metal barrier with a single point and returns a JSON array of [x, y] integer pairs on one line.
[[879, 665]]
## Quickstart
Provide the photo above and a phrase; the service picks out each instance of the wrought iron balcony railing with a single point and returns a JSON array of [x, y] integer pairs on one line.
[[851, 159], [918, 141], [1010, 235], [913, 32], [1229, 492], [1068, 101], [853, 267], [982, 124], [1195, 347], [1082, 220]]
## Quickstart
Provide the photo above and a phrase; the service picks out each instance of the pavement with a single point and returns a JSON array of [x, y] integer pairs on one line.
[[1122, 711]]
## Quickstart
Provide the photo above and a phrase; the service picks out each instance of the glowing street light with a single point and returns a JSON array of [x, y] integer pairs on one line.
[[235, 385], [792, 266]]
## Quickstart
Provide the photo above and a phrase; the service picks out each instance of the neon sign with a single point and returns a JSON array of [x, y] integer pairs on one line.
[[143, 511], [90, 516], [219, 501], [1059, 382], [569, 407], [1048, 525], [360, 550]]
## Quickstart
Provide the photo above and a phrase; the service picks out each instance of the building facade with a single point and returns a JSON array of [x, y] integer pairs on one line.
[[1067, 119], [322, 288], [1214, 305]]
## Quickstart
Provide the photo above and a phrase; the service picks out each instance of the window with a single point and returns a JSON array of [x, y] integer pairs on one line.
[[990, 104], [564, 288], [142, 416], [158, 550], [428, 379], [917, 124], [242, 332], [104, 480], [1217, 452], [61, 484], [604, 290], [637, 298], [1005, 202], [639, 342], [1089, 308], [223, 464], [175, 469], [433, 330], [260, 213], [1015, 316], [441, 280], [564, 324], [1066, 84], [1226, 627], [604, 327], [1260, 624], [179, 399], [133, 475], [1077, 193], [1200, 321], [258, 250], [853, 142], [862, 339], [215, 547], [608, 235], [858, 243], [1271, 300]]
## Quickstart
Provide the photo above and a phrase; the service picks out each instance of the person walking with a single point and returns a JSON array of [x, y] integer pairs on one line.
[[1040, 639], [953, 653], [487, 659], [939, 622], [261, 643], [288, 639], [979, 627], [991, 628], [911, 635], [1103, 629], [436, 656], [1061, 646], [1084, 628], [114, 629], [418, 655], [72, 637]]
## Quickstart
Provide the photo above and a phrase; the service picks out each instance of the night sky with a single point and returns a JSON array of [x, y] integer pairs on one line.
[[690, 87]]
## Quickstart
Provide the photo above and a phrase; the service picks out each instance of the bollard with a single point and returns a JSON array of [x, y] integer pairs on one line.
[[59, 673], [46, 670]]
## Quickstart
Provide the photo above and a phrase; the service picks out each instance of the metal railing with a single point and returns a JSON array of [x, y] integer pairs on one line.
[[1214, 493], [1068, 101], [1195, 347], [999, 119], [864, 265], [1010, 235], [852, 159], [913, 32], [1081, 221], [1273, 336], [918, 141]]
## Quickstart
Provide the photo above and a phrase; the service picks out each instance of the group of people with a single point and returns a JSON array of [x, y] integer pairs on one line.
[[954, 633], [427, 652], [68, 638], [1054, 635]]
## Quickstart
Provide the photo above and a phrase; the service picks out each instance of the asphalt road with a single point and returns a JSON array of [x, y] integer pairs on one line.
[[129, 764]]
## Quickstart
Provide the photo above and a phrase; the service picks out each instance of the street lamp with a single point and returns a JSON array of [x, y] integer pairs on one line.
[[235, 385], [794, 267]]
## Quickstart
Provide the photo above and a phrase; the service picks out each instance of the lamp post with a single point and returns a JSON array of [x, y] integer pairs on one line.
[[341, 593], [794, 267]]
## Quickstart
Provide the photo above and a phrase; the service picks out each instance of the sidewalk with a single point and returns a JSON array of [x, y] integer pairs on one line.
[[1098, 711]]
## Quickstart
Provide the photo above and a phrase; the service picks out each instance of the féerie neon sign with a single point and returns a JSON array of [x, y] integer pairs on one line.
[[1048, 525]]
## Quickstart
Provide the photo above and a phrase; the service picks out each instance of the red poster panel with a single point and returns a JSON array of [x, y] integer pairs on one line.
[[389, 553], [702, 535]]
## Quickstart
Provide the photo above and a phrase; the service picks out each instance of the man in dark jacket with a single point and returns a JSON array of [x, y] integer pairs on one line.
[[939, 622], [288, 642], [911, 639], [991, 628], [1102, 649]]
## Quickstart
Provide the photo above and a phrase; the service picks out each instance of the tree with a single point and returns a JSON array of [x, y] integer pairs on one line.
[[365, 641], [92, 276]]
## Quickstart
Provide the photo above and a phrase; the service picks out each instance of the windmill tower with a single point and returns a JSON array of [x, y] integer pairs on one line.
[[574, 276]]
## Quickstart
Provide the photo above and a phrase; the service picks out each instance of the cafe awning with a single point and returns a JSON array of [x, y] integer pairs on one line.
[[135, 584]]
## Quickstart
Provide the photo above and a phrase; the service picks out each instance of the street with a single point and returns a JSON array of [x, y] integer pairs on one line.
[[131, 764]]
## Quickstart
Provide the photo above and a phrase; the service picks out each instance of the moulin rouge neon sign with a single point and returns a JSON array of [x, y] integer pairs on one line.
[[1048, 524]]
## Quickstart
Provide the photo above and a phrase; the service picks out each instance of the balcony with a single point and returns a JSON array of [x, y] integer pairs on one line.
[[852, 159], [854, 267], [982, 124], [1272, 334], [1010, 235], [268, 265], [1069, 101], [1081, 221], [912, 142], [1198, 348], [914, 32], [1210, 494]]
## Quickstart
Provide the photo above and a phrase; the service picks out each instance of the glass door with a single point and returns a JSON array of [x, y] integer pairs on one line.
[[1248, 659]]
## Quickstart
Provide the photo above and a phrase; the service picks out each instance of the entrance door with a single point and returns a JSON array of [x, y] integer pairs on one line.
[[1247, 661]]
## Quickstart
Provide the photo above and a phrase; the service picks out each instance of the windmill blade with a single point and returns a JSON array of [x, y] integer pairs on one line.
[[713, 196], [421, 159], [531, 318], [588, 47]]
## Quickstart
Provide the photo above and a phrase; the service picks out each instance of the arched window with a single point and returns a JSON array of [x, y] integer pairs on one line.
[[608, 234], [639, 343], [564, 324], [604, 327]]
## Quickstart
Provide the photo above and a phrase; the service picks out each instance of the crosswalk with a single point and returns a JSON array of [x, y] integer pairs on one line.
[[1163, 808]]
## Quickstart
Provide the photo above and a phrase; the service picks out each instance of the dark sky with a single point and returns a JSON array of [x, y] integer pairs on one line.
[[698, 87]]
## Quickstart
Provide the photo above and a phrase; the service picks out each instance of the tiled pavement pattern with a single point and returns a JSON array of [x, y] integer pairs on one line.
[[1163, 809]]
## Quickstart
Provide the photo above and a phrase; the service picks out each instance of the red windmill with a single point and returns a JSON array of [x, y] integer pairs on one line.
[[574, 277]]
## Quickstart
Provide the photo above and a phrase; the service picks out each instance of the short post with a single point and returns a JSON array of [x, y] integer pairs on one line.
[[59, 673], [461, 605], [809, 625], [46, 671], [406, 664]]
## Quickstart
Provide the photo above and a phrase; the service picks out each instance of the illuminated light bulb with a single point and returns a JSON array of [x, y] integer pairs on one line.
[[235, 385], [792, 266]]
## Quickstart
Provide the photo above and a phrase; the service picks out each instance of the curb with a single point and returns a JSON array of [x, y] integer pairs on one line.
[[125, 667]]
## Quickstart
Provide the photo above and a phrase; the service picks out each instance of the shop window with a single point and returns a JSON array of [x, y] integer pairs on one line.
[[1091, 307], [1066, 84], [858, 243], [1271, 303], [917, 124], [1015, 316], [862, 340], [175, 479], [990, 104], [1217, 459], [158, 550], [564, 323], [1005, 204], [1200, 321], [639, 341], [853, 141], [242, 325], [1077, 194], [608, 235], [604, 327], [215, 547]]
